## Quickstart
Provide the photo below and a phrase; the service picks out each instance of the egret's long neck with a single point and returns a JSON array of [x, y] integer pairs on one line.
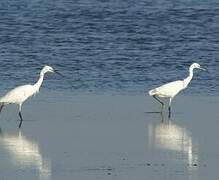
[[187, 80], [38, 84]]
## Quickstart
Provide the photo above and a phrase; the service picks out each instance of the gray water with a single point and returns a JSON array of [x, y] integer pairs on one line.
[[89, 137], [119, 46]]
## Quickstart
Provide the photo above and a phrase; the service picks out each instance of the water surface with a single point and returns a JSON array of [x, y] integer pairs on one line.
[[122, 46], [110, 136]]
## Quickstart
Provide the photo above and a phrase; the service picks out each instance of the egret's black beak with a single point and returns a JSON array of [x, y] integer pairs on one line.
[[204, 69], [57, 72]]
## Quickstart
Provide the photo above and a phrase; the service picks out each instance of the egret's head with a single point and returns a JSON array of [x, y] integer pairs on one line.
[[47, 68], [196, 65]]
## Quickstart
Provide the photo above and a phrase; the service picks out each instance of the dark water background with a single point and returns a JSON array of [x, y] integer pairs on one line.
[[117, 46]]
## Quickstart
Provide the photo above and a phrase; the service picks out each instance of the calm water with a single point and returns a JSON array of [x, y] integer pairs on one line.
[[122, 46], [90, 137]]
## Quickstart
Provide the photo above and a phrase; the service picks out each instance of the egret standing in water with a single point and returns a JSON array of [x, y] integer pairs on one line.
[[21, 93], [170, 90]]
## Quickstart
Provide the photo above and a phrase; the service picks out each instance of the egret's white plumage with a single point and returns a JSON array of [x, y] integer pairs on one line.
[[18, 94], [170, 90], [21, 93]]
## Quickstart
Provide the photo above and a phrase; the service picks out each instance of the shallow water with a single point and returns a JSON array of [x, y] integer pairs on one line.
[[110, 136], [122, 46]]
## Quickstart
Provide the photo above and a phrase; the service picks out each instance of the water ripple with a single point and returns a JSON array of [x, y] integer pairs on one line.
[[124, 46]]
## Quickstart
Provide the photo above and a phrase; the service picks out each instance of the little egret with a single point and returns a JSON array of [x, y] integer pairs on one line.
[[21, 93], [170, 90]]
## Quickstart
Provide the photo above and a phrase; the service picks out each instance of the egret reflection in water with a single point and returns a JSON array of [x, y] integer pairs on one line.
[[168, 136], [25, 154]]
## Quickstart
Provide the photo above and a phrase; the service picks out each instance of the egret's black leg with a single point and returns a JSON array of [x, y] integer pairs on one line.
[[162, 104], [170, 108], [169, 112], [1, 107], [21, 119], [158, 100]]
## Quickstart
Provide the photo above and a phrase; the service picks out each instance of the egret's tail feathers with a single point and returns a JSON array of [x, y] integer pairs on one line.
[[152, 92], [1, 100]]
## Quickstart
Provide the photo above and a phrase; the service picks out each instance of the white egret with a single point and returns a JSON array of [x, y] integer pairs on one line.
[[21, 93], [170, 90]]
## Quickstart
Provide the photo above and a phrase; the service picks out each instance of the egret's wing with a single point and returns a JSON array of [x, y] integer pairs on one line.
[[17, 94], [169, 89]]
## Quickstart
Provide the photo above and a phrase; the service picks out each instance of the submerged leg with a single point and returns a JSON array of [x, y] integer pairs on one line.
[[1, 107], [162, 117], [162, 104], [21, 118], [169, 108]]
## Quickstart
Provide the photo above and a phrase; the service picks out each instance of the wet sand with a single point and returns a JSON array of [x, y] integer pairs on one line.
[[66, 136]]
